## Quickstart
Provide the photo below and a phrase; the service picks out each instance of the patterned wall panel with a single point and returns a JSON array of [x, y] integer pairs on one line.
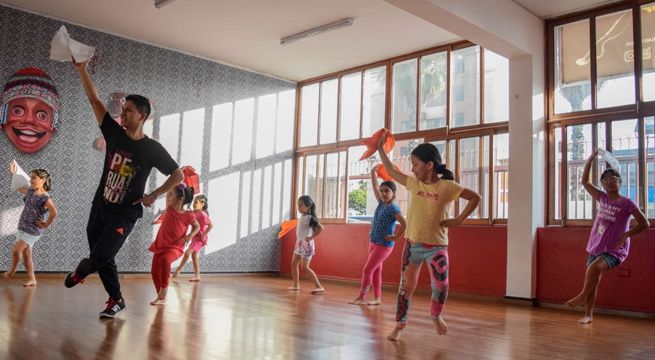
[[177, 84]]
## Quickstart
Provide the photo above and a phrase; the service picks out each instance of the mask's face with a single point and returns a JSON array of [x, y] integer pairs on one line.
[[29, 124]]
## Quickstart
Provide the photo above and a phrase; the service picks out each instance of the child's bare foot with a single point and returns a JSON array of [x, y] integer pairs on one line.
[[357, 301], [6, 275], [374, 302], [31, 282], [195, 279], [585, 320], [575, 302], [175, 274], [294, 287], [440, 325], [394, 335], [318, 291], [158, 301]]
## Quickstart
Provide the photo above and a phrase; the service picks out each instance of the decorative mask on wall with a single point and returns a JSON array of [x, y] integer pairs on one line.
[[29, 110]]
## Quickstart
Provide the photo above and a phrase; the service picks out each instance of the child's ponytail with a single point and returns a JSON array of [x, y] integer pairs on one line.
[[307, 200]]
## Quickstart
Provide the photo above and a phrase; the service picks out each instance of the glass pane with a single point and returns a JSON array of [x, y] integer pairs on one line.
[[578, 150], [501, 176], [404, 96], [311, 182], [434, 81], [401, 157], [309, 115], [361, 201], [558, 173], [484, 191], [648, 51], [300, 190], [572, 67], [496, 87], [341, 189], [351, 89], [469, 165], [375, 85], [615, 64], [465, 87], [602, 144], [329, 91], [650, 167], [452, 156], [625, 148], [332, 186], [442, 146]]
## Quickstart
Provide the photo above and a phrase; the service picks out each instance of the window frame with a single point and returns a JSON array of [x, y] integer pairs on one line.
[[639, 110], [438, 134]]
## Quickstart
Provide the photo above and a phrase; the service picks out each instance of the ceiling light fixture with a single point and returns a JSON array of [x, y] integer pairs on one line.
[[161, 3], [316, 31]]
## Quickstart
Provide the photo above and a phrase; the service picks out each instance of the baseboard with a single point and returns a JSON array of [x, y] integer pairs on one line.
[[516, 300]]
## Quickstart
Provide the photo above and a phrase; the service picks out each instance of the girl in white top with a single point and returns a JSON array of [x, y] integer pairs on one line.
[[307, 229]]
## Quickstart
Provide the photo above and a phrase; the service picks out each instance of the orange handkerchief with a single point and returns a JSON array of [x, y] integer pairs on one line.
[[372, 143], [287, 226]]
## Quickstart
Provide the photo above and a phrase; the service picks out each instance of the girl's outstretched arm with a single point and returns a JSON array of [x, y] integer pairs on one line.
[[473, 200], [374, 183], [397, 175], [586, 178]]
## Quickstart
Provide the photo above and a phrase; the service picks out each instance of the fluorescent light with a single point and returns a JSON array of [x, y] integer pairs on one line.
[[161, 3], [316, 31]]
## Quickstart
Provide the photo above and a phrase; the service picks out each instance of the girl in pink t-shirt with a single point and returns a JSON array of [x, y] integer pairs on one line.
[[609, 241], [171, 238], [200, 240]]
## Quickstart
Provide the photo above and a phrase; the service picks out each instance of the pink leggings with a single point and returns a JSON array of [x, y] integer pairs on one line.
[[372, 272], [161, 267]]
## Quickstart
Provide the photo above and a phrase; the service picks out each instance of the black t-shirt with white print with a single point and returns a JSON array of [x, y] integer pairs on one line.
[[127, 168]]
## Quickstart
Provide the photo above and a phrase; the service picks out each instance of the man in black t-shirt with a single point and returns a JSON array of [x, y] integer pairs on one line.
[[117, 204]]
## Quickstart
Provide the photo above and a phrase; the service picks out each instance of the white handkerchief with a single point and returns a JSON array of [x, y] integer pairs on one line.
[[62, 48], [20, 179], [609, 159]]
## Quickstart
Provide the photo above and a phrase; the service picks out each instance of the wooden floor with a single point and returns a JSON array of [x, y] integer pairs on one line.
[[254, 317]]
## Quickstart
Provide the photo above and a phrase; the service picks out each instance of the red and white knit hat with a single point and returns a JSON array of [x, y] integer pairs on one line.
[[30, 83]]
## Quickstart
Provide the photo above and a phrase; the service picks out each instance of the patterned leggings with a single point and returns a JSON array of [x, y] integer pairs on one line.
[[436, 257]]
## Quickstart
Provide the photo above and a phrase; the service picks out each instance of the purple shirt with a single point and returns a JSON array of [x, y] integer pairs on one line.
[[612, 221], [33, 211]]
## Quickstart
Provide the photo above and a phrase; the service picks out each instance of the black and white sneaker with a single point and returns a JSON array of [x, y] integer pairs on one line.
[[113, 308]]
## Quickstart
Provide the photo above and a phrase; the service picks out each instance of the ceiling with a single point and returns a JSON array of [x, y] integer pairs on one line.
[[546, 9], [247, 34]]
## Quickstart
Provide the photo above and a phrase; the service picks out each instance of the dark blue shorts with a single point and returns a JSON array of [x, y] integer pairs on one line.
[[611, 260]]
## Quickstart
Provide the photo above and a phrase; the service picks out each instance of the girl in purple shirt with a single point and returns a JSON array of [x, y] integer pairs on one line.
[[32, 221], [609, 241]]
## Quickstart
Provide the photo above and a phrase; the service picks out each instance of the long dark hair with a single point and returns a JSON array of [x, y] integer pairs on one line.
[[307, 201], [185, 192], [427, 152], [43, 174]]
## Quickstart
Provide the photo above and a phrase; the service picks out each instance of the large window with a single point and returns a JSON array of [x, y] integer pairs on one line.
[[420, 98], [596, 102]]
